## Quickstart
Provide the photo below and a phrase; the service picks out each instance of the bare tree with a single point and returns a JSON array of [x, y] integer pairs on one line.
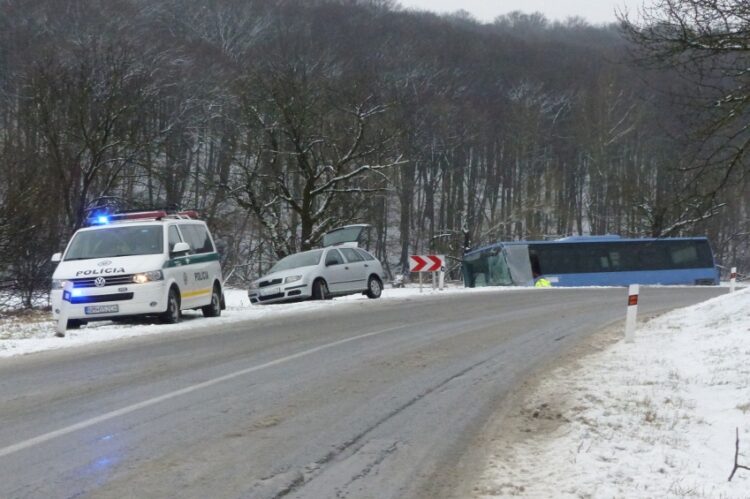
[[707, 43], [310, 167]]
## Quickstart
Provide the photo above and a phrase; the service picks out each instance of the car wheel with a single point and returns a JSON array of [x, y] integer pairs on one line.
[[173, 313], [74, 324], [320, 290], [213, 309], [374, 288]]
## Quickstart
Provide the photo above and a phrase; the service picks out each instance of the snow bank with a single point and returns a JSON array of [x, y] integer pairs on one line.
[[655, 418]]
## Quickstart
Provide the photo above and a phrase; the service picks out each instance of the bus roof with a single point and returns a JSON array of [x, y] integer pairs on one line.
[[585, 239]]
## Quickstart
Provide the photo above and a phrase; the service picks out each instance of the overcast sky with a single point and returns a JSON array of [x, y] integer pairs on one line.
[[595, 11]]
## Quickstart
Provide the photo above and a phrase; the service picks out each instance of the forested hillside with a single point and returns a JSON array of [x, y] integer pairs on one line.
[[279, 120]]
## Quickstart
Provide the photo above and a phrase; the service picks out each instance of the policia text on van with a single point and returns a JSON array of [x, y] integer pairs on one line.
[[145, 263]]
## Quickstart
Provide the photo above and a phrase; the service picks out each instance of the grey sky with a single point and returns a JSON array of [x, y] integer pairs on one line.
[[595, 11]]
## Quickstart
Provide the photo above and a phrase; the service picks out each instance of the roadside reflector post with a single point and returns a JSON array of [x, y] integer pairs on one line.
[[62, 318], [442, 278], [632, 315], [732, 279]]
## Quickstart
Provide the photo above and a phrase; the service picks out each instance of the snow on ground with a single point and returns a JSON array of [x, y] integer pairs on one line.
[[655, 418], [34, 331]]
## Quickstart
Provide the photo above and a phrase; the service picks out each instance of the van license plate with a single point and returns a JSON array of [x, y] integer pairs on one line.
[[102, 309]]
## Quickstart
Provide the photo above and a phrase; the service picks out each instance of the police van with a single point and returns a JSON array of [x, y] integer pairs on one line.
[[142, 263]]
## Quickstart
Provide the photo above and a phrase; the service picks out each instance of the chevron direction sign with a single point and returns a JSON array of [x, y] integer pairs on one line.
[[426, 263]]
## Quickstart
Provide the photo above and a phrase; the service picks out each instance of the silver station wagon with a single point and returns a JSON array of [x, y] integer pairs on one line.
[[341, 268]]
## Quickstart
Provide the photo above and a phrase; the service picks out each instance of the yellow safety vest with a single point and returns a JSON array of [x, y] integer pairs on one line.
[[542, 283]]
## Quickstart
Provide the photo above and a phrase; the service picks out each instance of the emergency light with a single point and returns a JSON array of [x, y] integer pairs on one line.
[[139, 215], [99, 219]]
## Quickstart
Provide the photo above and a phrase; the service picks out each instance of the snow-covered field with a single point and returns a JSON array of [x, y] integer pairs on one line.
[[655, 418], [34, 331]]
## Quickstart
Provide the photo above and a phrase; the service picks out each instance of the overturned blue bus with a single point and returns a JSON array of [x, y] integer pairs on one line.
[[593, 261]]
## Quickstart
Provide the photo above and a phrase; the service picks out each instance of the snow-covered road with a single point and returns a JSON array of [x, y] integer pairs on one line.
[[28, 333], [652, 419]]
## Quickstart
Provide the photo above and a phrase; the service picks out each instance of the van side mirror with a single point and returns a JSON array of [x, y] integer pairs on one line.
[[56, 258], [221, 247], [181, 248]]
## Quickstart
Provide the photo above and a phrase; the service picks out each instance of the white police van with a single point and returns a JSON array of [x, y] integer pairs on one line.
[[142, 263]]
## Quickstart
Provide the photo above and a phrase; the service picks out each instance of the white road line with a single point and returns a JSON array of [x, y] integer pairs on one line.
[[183, 391]]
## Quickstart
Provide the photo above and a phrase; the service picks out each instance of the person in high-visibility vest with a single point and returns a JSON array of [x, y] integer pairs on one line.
[[541, 282], [536, 273]]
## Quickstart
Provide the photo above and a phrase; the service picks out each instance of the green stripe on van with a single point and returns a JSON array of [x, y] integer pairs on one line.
[[190, 260]]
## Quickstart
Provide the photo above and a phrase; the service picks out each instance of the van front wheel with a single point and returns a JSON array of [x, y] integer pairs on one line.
[[173, 314], [213, 309]]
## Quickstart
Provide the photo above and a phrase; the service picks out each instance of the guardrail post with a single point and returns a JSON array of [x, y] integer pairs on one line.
[[632, 316], [62, 318], [732, 279]]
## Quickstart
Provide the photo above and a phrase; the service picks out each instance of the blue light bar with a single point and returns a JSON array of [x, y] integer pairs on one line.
[[103, 220]]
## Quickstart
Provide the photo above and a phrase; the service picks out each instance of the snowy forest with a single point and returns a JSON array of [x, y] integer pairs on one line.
[[280, 120]]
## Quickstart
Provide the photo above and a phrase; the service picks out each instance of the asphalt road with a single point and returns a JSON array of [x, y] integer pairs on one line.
[[369, 399]]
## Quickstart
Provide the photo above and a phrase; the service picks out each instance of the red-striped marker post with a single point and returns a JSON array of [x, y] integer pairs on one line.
[[632, 317], [732, 279], [62, 319]]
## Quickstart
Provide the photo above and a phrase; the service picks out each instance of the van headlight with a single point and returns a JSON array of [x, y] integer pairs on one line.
[[292, 278], [58, 283], [144, 277]]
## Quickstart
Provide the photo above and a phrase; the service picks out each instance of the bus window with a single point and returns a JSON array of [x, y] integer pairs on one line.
[[686, 254], [498, 270], [474, 270], [604, 263], [488, 268], [519, 264], [650, 256], [614, 259]]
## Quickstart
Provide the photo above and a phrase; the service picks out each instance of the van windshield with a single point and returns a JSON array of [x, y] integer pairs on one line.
[[116, 241]]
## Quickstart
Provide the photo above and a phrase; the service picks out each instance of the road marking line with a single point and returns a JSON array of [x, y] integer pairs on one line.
[[183, 391]]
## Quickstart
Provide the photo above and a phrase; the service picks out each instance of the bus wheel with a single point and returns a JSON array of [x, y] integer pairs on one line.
[[173, 313], [213, 309]]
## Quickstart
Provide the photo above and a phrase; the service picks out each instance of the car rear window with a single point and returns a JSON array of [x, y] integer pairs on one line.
[[351, 255], [365, 254]]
